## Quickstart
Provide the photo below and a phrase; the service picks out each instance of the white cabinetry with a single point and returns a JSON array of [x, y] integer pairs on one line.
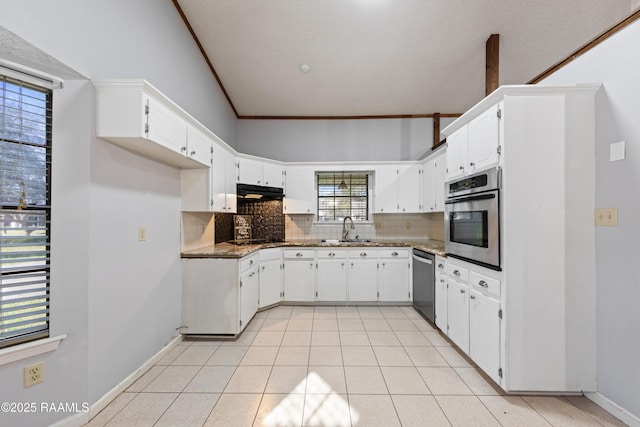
[[299, 275], [363, 274], [394, 271], [270, 277], [433, 177], [260, 172], [475, 146], [299, 193], [397, 188], [441, 293], [249, 288], [224, 179], [138, 117], [458, 306], [484, 324], [332, 275]]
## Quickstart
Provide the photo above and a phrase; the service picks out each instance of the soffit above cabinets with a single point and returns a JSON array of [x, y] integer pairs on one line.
[[384, 57]]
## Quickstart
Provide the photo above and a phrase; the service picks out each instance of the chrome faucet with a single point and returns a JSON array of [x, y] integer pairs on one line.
[[345, 230]]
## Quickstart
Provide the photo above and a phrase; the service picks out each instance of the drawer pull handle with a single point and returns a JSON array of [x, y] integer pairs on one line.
[[472, 297], [363, 254], [456, 272], [441, 267], [193, 153], [394, 253], [251, 262], [462, 291], [299, 254], [483, 284], [332, 254]]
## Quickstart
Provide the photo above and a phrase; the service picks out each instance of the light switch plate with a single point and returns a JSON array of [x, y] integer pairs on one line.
[[616, 151], [607, 217]]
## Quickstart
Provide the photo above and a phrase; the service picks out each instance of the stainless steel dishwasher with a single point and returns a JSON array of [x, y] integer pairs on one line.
[[424, 283]]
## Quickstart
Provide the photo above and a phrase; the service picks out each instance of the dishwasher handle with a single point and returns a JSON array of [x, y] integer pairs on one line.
[[424, 260]]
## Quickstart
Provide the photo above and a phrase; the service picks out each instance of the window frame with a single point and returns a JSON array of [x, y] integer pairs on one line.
[[369, 211], [40, 273]]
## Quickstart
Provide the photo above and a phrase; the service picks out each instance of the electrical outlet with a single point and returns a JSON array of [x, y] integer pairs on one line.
[[407, 225], [607, 217], [142, 234], [33, 374]]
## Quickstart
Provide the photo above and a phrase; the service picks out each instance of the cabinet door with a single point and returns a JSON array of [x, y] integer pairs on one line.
[[386, 189], [484, 334], [408, 187], [231, 192], [393, 280], [457, 153], [196, 190], [363, 280], [440, 168], [199, 146], [484, 139], [299, 280], [428, 186], [250, 171], [458, 314], [165, 127], [249, 294], [332, 280], [273, 176], [441, 302], [270, 282], [300, 192], [219, 176]]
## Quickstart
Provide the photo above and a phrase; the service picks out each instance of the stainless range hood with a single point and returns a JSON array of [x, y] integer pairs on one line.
[[259, 192]]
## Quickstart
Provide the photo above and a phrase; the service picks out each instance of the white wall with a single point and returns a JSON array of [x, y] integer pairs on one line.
[[616, 64], [115, 297], [337, 140]]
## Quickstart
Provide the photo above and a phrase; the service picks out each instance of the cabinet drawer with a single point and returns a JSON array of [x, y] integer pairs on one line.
[[363, 253], [457, 273], [299, 254], [393, 253], [249, 261], [441, 265], [484, 284], [331, 253], [269, 254]]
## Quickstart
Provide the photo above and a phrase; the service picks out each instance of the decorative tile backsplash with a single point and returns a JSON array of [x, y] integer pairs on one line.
[[224, 227], [267, 218]]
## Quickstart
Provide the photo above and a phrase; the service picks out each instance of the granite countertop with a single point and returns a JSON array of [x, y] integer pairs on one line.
[[229, 250]]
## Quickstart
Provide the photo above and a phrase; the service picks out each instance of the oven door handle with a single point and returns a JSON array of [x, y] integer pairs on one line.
[[470, 198]]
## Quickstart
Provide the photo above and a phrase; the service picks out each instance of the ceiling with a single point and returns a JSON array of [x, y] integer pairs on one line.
[[384, 57]]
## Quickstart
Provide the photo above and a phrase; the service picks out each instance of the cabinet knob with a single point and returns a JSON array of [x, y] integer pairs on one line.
[[332, 254], [472, 297], [461, 168], [456, 272], [266, 183], [472, 164], [193, 153], [462, 291], [250, 262], [483, 284], [440, 266], [183, 148], [258, 181], [383, 264], [394, 253], [363, 254], [299, 254]]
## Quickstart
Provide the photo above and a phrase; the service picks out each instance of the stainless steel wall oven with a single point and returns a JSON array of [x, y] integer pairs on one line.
[[472, 221]]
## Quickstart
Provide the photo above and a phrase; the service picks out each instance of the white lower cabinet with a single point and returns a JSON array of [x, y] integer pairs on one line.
[[363, 275], [458, 306], [441, 293], [299, 275], [249, 294], [271, 277], [332, 275], [484, 334], [394, 270]]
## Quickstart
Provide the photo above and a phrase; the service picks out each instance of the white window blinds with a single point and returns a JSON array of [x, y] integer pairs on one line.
[[25, 210], [342, 194]]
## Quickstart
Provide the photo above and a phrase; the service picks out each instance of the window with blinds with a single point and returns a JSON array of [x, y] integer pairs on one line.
[[25, 211], [342, 194]]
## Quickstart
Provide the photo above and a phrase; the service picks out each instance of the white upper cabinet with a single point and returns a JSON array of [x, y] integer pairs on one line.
[[258, 172], [476, 145], [224, 180], [397, 188], [136, 116], [385, 189], [300, 192], [484, 140], [433, 177], [408, 188]]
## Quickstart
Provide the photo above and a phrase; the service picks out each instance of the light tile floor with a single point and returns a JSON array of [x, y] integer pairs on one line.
[[332, 366]]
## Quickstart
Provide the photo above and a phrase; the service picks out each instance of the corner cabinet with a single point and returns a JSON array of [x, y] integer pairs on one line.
[[138, 117]]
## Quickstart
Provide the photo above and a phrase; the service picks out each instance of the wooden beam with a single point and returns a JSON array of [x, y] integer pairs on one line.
[[492, 67], [436, 130]]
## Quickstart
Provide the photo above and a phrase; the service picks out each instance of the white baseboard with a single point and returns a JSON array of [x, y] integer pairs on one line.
[[78, 420], [614, 409]]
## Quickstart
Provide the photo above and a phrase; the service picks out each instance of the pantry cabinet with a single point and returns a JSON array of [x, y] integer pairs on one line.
[[138, 117]]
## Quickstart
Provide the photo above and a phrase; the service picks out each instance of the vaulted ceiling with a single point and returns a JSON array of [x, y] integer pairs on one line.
[[383, 57]]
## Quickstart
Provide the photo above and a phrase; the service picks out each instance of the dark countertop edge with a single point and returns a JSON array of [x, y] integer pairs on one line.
[[231, 251]]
